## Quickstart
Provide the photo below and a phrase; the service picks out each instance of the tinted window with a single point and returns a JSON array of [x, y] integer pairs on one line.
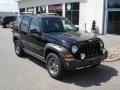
[[35, 25], [50, 25], [25, 23], [72, 12], [72, 6], [18, 21], [113, 3], [114, 22]]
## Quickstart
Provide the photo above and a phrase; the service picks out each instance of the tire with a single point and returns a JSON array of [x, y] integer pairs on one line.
[[54, 66], [18, 48], [4, 26]]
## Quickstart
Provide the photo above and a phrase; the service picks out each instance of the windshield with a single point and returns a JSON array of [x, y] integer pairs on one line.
[[57, 25]]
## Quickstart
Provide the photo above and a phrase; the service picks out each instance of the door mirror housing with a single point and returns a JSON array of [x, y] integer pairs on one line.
[[34, 31], [77, 28]]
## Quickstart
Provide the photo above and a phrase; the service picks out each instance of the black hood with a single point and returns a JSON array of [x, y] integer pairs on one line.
[[69, 37], [79, 36]]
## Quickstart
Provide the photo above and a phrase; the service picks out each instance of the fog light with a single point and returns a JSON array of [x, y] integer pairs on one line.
[[82, 55], [103, 51]]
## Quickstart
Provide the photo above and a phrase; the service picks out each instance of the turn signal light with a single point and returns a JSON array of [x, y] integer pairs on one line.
[[68, 56]]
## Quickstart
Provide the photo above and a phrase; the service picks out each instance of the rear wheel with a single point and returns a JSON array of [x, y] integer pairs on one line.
[[54, 66], [18, 49]]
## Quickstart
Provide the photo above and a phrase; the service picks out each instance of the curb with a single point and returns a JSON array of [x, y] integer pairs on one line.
[[113, 54]]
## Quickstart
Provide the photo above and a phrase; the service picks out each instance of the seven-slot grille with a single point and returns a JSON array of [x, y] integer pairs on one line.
[[90, 49]]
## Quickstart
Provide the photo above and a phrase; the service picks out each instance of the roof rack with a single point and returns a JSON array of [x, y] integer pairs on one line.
[[55, 14], [32, 14], [26, 13]]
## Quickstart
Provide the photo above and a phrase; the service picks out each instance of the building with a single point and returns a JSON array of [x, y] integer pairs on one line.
[[82, 13]]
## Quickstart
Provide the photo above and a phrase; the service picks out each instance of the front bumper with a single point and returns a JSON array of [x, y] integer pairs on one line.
[[78, 64]]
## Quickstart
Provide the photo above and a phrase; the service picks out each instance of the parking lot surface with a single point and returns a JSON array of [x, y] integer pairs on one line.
[[29, 73]]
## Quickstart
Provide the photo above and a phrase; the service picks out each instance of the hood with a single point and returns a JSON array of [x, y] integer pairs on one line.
[[69, 37], [77, 36]]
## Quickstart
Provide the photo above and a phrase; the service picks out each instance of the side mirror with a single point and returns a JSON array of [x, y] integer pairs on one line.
[[77, 28], [33, 31]]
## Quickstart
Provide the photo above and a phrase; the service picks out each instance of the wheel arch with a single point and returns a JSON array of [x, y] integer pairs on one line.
[[15, 38], [53, 48]]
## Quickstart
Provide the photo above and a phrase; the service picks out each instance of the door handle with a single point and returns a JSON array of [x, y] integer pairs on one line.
[[28, 34]]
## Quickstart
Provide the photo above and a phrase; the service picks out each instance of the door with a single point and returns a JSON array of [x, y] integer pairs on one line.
[[114, 22], [36, 43]]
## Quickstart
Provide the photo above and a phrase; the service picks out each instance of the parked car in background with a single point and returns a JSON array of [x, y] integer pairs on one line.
[[1, 18], [57, 42], [7, 20]]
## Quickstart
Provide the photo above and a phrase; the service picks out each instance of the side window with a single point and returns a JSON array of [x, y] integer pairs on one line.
[[35, 25], [25, 23], [18, 21]]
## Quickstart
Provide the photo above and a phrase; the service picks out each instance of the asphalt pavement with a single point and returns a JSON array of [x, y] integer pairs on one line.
[[28, 73]]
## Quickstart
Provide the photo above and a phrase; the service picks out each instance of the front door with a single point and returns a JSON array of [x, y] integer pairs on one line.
[[36, 43]]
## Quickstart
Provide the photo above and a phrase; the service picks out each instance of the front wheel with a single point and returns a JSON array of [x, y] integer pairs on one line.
[[54, 66]]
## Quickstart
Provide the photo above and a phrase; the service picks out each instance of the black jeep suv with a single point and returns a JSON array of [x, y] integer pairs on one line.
[[58, 43]]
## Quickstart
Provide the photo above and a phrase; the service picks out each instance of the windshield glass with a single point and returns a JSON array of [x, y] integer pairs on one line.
[[57, 25]]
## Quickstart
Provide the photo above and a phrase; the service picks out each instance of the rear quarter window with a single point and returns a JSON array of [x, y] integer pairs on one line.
[[18, 21]]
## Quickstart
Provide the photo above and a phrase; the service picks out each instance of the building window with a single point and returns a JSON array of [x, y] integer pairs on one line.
[[40, 9], [55, 9], [30, 9], [22, 10], [72, 12], [113, 3]]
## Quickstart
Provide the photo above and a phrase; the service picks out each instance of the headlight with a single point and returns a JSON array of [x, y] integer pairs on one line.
[[103, 51], [74, 49]]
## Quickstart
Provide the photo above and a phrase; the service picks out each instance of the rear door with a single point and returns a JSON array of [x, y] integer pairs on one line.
[[24, 31]]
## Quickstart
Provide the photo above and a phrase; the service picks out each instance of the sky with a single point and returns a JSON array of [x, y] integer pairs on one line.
[[8, 5]]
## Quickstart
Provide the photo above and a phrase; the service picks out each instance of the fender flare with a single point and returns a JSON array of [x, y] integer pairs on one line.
[[56, 48], [16, 36]]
